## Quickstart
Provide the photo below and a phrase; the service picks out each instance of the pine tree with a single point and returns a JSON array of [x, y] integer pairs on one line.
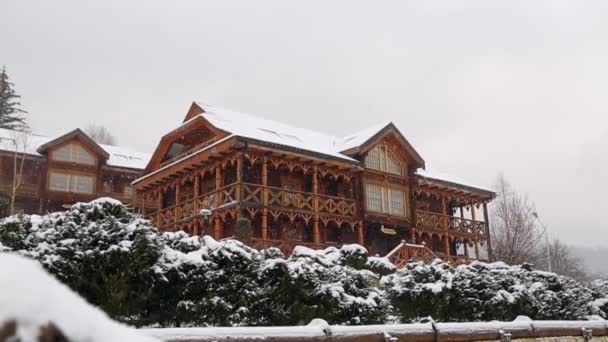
[[11, 114]]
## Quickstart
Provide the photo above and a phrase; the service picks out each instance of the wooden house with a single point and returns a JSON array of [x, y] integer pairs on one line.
[[59, 171], [300, 187]]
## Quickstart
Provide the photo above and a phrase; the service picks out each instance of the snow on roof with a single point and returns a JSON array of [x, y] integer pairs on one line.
[[359, 138], [7, 142], [119, 156], [437, 175], [125, 157], [33, 298], [254, 127]]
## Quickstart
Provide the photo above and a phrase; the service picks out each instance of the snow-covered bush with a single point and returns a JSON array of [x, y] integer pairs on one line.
[[482, 291], [599, 306], [122, 264], [98, 249], [322, 283]]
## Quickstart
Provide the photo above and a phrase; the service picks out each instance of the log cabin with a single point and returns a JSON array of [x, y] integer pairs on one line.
[[301, 187], [59, 171]]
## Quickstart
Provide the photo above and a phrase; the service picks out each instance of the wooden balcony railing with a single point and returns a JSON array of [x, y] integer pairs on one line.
[[430, 220], [253, 194], [224, 196], [298, 200]]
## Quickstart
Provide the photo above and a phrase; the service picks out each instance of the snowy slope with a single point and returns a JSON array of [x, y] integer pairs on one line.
[[33, 298]]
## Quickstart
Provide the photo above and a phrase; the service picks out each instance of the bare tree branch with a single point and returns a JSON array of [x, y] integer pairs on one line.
[[100, 134], [516, 237]]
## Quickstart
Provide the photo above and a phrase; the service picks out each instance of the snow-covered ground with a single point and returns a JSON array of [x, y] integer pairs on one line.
[[32, 298]]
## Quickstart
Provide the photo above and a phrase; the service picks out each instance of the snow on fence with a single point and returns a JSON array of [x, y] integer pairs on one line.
[[428, 332]]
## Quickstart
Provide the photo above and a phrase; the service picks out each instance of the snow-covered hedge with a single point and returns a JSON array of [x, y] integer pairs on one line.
[[124, 265], [483, 292]]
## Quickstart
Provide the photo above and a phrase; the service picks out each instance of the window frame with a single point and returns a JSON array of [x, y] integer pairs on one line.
[[74, 151], [71, 182], [387, 199], [382, 158]]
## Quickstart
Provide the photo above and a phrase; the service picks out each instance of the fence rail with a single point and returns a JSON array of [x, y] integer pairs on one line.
[[428, 332]]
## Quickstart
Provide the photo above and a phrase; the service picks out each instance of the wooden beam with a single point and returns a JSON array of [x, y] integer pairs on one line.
[[316, 234], [265, 197]]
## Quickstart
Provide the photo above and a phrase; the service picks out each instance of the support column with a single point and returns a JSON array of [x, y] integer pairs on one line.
[[446, 241], [316, 233], [265, 198], [197, 221], [159, 204], [361, 233], [239, 185], [143, 203], [486, 219], [412, 235], [217, 231], [444, 211], [177, 209], [474, 230]]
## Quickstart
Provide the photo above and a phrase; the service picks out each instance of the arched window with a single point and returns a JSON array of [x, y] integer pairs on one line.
[[381, 158], [73, 153]]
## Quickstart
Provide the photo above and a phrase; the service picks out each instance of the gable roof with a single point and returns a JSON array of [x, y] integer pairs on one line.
[[360, 141], [117, 156], [265, 130], [77, 133]]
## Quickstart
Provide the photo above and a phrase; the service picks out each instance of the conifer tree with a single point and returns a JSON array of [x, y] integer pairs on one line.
[[11, 115]]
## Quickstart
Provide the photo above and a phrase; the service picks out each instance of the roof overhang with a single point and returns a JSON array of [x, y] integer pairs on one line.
[[444, 185], [187, 163]]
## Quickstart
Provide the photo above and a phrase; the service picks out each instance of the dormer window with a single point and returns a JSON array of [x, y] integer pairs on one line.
[[381, 158], [73, 153]]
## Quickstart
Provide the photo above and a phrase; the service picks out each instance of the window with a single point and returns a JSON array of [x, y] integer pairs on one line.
[[385, 200], [71, 183], [383, 159], [374, 198], [73, 153]]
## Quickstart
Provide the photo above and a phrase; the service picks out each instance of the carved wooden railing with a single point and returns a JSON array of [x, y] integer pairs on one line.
[[254, 194], [298, 200], [430, 220], [406, 252], [224, 196]]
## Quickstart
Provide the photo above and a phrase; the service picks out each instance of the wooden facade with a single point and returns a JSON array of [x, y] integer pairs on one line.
[[373, 194], [58, 172]]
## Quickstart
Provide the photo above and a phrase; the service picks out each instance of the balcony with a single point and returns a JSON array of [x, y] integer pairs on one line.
[[435, 221], [255, 195]]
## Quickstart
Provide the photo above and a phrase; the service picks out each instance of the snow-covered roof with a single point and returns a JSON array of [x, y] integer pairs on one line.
[[361, 137], [125, 157], [118, 156], [258, 128], [441, 176]]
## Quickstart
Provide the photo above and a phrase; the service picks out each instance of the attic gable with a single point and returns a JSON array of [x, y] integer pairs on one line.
[[195, 133], [79, 135], [364, 141]]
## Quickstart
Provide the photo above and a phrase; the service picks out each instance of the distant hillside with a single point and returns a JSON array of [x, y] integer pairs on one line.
[[595, 260]]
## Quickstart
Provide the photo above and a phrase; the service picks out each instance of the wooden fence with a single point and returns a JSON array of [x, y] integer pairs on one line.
[[429, 332]]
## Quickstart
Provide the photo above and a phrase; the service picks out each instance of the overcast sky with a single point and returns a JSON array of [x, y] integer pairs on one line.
[[478, 87]]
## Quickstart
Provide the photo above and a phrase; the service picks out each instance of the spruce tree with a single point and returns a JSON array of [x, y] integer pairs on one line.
[[11, 114]]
